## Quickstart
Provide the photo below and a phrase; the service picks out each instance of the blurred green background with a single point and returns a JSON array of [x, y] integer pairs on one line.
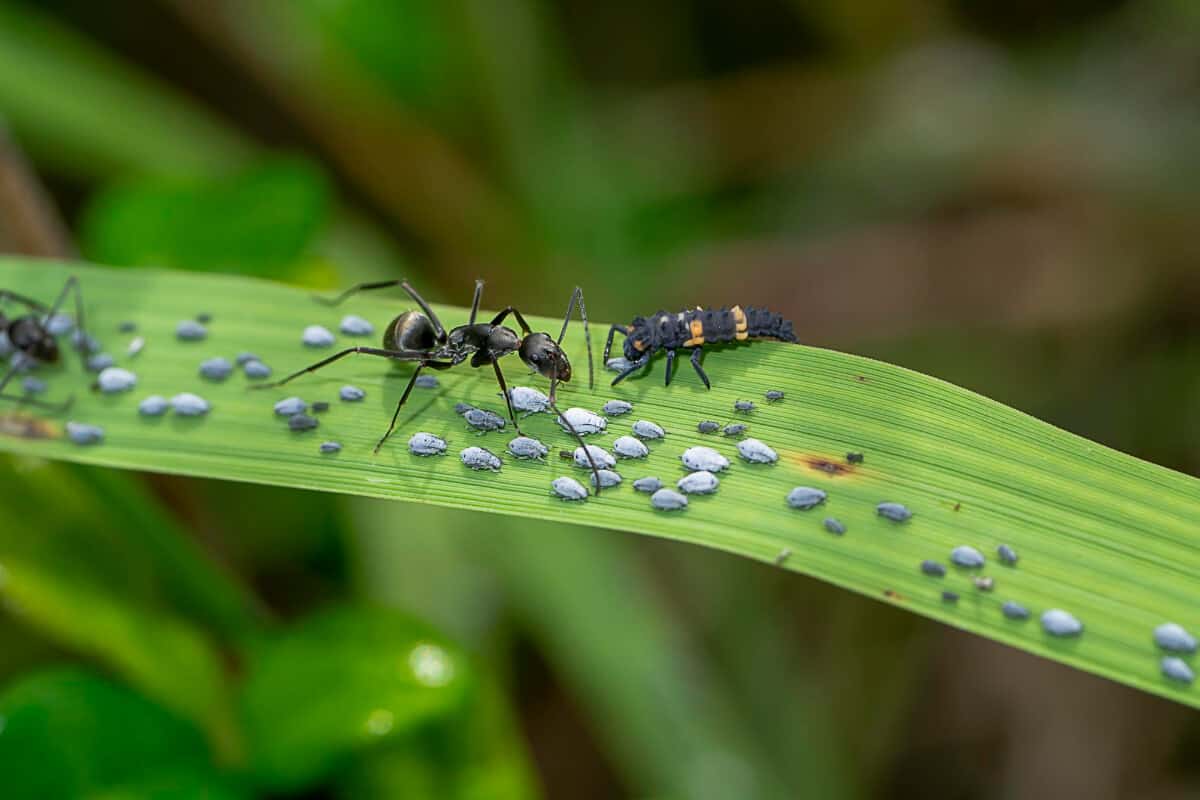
[[1002, 194]]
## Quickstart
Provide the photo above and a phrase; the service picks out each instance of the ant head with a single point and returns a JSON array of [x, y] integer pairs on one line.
[[29, 336], [543, 354]]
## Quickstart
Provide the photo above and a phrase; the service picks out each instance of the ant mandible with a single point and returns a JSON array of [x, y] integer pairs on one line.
[[419, 336], [29, 335]]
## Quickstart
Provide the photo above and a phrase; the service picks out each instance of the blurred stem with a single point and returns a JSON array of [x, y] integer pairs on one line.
[[27, 215]]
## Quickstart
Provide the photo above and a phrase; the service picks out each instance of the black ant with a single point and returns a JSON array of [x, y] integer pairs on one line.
[[419, 336], [693, 329], [31, 338]]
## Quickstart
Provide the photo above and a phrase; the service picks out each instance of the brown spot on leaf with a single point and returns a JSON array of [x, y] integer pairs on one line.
[[892, 594], [833, 468], [26, 426]]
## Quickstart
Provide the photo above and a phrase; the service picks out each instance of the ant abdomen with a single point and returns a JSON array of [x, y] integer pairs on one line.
[[412, 330]]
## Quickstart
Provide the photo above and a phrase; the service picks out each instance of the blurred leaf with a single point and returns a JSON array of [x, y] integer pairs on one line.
[[343, 682], [260, 221], [66, 732], [1095, 527]]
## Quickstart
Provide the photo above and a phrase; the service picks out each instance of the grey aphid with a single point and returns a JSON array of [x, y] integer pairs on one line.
[[128, 326], [84, 341], [617, 408], [462, 408], [1059, 623], [629, 447], [644, 429], [97, 362], [603, 458], [736, 429], [834, 526], [584, 421], [966, 556], [618, 364], [320, 407], [949, 596], [479, 458], [608, 478], [290, 406], [805, 497], [773, 395], [984, 583], [351, 394], [704, 458], [354, 325], [568, 489], [483, 420], [668, 500], [1177, 669], [426, 444], [701, 482], [244, 357], [427, 382], [526, 447], [256, 369], [32, 385], [316, 336], [649, 485], [331, 447], [302, 422], [745, 406], [81, 433], [114, 379], [186, 404], [854, 458], [528, 400], [1172, 636], [190, 331], [933, 568], [59, 324], [216, 369], [708, 426], [1014, 610], [893, 511], [756, 452], [1007, 554], [136, 345], [5, 345], [153, 406]]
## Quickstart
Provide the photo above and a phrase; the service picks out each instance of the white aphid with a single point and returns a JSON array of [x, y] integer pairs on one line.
[[527, 447], [756, 452], [668, 500], [351, 394], [244, 356], [256, 369], [569, 489], [97, 362], [354, 325], [896, 512], [704, 458], [607, 478], [216, 369], [616, 408], [426, 382], [426, 444], [603, 458], [528, 400], [966, 556], [135, 346], [629, 447], [483, 420], [1172, 636], [649, 485], [316, 336], [59, 324], [644, 429], [1177, 669], [701, 482], [585, 422], [290, 406], [190, 331], [114, 379], [331, 447], [153, 406], [81, 433], [1060, 623], [187, 404], [478, 458], [805, 497]]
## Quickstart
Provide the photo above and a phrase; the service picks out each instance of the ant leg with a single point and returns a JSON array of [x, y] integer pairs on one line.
[[55, 407], [577, 297], [395, 355], [507, 397], [524, 326], [632, 368], [72, 283], [696, 354], [615, 329], [475, 302], [29, 302], [404, 397], [587, 453], [403, 284], [670, 366]]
